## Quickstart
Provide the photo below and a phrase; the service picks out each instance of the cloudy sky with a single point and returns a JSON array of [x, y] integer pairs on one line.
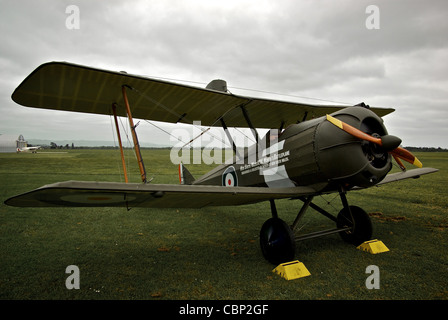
[[320, 49]]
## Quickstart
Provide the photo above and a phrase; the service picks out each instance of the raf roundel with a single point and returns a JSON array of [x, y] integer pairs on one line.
[[229, 178]]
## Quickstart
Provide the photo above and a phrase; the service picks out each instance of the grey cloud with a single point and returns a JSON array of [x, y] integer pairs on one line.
[[319, 49]]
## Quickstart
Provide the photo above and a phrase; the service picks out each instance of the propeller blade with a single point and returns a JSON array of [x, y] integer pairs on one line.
[[400, 164], [388, 142], [406, 156], [353, 131]]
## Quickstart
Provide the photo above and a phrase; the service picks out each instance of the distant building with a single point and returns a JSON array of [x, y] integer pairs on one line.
[[10, 143]]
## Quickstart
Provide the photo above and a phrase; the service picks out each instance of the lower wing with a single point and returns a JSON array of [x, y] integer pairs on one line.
[[111, 194]]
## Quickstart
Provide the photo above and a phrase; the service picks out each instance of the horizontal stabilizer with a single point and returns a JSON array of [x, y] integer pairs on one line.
[[408, 174], [402, 175]]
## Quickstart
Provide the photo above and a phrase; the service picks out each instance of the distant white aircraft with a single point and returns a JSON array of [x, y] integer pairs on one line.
[[28, 149]]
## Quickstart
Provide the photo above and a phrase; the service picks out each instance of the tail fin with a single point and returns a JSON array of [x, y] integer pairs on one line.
[[185, 176]]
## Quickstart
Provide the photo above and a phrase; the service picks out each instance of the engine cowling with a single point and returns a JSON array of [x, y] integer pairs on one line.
[[348, 160], [324, 156]]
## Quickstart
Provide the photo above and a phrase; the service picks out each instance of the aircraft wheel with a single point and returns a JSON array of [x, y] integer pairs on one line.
[[277, 241], [362, 226]]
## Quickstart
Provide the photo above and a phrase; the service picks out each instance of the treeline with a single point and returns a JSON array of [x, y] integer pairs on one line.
[[67, 146], [116, 148], [72, 146], [426, 149]]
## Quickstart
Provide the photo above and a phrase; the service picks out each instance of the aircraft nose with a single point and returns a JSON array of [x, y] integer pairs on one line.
[[388, 142]]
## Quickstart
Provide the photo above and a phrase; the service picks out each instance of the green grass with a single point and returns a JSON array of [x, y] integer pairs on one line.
[[212, 253]]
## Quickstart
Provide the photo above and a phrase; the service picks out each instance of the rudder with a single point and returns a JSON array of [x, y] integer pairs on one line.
[[185, 177]]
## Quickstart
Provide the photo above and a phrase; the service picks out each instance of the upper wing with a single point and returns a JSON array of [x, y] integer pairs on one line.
[[111, 194], [71, 87]]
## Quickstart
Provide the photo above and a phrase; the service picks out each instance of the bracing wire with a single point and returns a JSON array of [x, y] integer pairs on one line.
[[129, 146], [292, 95], [157, 103], [168, 133], [183, 118], [115, 146], [224, 142], [254, 90]]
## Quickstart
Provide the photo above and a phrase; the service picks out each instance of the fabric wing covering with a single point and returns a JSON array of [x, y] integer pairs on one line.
[[70, 87], [111, 194]]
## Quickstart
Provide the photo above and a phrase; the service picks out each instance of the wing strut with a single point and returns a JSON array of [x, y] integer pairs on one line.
[[134, 136], [229, 136], [114, 110], [249, 122]]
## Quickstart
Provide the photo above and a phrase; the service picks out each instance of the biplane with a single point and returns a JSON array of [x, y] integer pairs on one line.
[[308, 151], [28, 149]]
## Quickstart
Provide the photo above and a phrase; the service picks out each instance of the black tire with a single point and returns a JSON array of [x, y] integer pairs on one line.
[[362, 225], [277, 241]]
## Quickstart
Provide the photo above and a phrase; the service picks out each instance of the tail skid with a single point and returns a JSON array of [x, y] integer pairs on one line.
[[185, 177]]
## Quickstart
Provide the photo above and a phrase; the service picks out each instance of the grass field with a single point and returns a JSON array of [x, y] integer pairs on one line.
[[212, 253]]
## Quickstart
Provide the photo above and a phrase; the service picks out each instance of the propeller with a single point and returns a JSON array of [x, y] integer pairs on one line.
[[388, 142]]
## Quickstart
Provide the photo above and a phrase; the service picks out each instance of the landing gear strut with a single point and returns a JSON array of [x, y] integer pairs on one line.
[[278, 242]]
